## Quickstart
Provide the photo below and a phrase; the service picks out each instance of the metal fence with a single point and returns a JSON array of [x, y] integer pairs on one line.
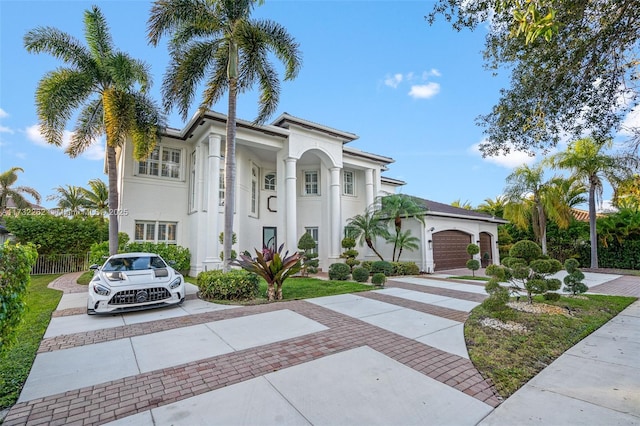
[[60, 264]]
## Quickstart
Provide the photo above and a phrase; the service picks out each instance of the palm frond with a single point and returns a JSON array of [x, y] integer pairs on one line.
[[60, 45], [89, 127], [97, 34], [284, 46], [168, 16]]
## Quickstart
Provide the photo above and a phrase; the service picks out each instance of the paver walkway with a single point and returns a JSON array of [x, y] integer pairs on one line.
[[133, 368]]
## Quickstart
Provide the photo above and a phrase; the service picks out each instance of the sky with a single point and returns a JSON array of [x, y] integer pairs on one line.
[[410, 91]]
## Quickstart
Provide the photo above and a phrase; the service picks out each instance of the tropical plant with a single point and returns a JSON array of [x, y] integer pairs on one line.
[[272, 265], [588, 162], [494, 207], [97, 197], [462, 204], [531, 201], [7, 190], [627, 192], [401, 241], [217, 42], [396, 207], [109, 89], [367, 227], [70, 200]]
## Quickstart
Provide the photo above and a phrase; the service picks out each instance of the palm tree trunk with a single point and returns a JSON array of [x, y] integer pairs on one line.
[[542, 218], [370, 245], [593, 236], [112, 174], [230, 175]]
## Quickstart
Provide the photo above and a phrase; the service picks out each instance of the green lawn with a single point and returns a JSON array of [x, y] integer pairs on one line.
[[469, 277], [16, 360], [511, 359]]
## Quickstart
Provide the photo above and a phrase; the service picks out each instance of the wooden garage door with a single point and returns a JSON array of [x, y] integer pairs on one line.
[[450, 249]]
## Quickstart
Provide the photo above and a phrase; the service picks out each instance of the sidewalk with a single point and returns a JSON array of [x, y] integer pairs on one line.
[[390, 356]]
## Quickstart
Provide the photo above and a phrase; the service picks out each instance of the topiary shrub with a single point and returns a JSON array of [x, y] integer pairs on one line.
[[360, 274], [530, 270], [526, 250], [339, 271], [232, 285], [382, 266], [473, 249], [379, 279], [573, 281], [498, 295], [473, 265], [310, 260], [551, 296], [405, 268], [366, 264]]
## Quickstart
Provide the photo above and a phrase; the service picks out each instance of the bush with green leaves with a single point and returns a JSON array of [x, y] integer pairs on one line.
[[275, 266], [379, 279], [349, 254], [360, 274], [339, 271], [99, 252], [366, 264], [405, 268], [310, 261], [473, 265], [573, 281], [179, 257], [232, 285], [57, 234], [16, 261], [234, 240], [498, 295], [473, 249], [382, 266]]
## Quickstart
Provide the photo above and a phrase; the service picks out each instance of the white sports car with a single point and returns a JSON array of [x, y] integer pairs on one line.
[[132, 282]]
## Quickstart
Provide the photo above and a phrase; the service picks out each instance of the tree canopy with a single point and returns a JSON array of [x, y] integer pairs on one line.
[[583, 79]]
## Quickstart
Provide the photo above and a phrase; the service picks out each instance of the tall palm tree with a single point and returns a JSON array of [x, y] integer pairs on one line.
[[109, 89], [7, 190], [217, 42], [462, 204], [588, 162], [367, 227], [398, 206], [97, 197], [70, 199], [531, 201], [494, 207]]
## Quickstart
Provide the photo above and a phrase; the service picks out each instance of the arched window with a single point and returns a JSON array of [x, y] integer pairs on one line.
[[270, 181]]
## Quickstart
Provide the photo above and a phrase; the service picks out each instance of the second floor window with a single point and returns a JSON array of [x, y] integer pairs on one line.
[[348, 185], [311, 183], [163, 162]]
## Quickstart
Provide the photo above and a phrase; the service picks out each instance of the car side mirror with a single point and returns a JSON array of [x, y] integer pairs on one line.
[[94, 267]]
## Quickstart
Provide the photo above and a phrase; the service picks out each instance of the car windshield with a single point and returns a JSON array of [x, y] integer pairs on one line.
[[134, 263]]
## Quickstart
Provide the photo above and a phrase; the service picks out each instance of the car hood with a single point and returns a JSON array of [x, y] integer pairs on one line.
[[150, 277]]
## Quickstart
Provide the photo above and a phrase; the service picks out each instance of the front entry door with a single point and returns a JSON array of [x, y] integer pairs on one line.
[[270, 237]]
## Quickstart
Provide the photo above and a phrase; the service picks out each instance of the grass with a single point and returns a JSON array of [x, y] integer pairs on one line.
[[16, 360], [85, 278], [511, 359], [469, 277], [302, 288]]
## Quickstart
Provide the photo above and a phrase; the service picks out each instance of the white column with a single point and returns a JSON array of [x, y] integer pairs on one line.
[[335, 218], [291, 199], [213, 200], [368, 187]]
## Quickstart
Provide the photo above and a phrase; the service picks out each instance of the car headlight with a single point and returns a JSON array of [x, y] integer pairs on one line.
[[175, 284], [114, 276], [100, 289]]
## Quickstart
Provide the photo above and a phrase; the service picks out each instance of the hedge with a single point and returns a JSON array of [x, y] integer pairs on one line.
[[232, 285], [339, 271], [169, 252], [16, 261], [615, 255]]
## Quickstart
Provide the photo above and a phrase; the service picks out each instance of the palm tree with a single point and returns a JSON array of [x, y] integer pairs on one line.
[[97, 197], [7, 190], [398, 206], [70, 199], [367, 227], [217, 42], [531, 201], [494, 207], [462, 205], [109, 89], [588, 162], [404, 240]]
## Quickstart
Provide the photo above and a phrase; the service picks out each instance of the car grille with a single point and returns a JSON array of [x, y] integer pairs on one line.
[[129, 297]]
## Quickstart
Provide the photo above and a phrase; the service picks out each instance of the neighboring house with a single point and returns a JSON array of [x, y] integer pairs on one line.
[[293, 176], [583, 215]]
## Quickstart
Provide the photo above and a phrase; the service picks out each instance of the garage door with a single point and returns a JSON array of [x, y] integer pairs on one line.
[[450, 249]]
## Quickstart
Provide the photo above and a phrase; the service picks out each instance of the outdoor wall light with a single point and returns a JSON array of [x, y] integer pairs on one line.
[[430, 242]]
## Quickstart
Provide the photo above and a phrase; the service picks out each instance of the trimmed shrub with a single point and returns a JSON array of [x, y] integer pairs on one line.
[[232, 285], [473, 265], [382, 266], [339, 271], [551, 296], [309, 258], [169, 252], [366, 264], [498, 295], [360, 274], [573, 281], [405, 268], [527, 250], [379, 279], [473, 249], [16, 261]]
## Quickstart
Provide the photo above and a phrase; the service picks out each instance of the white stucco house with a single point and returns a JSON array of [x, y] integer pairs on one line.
[[293, 176]]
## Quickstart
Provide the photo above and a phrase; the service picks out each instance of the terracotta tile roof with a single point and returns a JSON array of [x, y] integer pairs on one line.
[[583, 215]]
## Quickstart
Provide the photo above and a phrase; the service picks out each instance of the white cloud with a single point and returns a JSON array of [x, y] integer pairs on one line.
[[631, 121], [95, 151], [431, 73], [4, 129], [510, 161], [393, 81], [424, 91], [3, 113]]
